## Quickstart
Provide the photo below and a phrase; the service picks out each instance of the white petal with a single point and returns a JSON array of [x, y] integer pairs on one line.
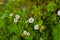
[[36, 27], [58, 12], [28, 34], [17, 16], [25, 32], [11, 14], [15, 20]]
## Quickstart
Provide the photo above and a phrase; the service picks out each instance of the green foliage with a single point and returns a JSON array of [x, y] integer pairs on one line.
[[51, 6], [44, 14]]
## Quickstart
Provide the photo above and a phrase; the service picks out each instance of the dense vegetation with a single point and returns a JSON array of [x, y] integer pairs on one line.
[[30, 14]]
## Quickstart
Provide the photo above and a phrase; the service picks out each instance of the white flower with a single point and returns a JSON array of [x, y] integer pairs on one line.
[[25, 32], [11, 14], [36, 27], [28, 34], [17, 16], [41, 38], [15, 20], [31, 20], [58, 12]]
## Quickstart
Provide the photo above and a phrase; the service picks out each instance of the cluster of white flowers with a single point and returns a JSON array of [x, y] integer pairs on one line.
[[16, 18], [36, 27], [58, 13], [26, 33]]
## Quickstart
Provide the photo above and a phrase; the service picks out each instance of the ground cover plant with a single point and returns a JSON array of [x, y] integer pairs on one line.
[[29, 19]]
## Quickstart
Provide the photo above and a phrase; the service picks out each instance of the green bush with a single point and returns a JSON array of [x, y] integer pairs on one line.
[[35, 20]]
